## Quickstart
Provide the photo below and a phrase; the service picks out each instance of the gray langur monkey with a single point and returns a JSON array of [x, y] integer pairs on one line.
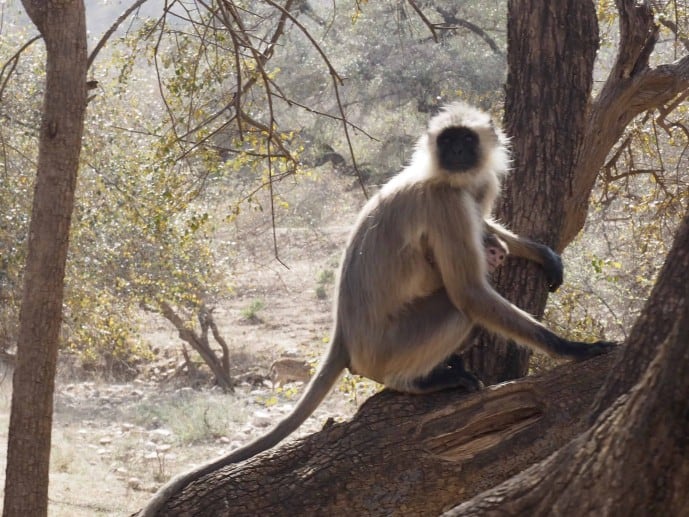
[[413, 280]]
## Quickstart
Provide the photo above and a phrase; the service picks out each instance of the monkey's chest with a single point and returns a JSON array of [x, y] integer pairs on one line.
[[420, 275]]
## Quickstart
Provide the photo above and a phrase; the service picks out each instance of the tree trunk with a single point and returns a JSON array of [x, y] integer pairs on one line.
[[634, 460], [63, 27], [406, 455], [200, 343], [546, 122]]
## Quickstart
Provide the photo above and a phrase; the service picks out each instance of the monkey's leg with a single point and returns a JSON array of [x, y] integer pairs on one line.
[[419, 342]]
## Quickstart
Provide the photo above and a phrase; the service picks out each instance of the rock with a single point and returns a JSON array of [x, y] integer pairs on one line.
[[134, 483], [261, 419]]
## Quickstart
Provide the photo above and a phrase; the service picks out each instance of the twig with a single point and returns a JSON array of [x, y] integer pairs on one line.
[[431, 26], [101, 43], [12, 63]]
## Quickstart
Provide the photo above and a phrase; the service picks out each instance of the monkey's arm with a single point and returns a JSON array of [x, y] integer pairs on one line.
[[469, 291], [530, 250]]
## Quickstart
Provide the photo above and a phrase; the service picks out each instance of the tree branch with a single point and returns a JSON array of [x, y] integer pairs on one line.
[[104, 39], [613, 462], [12, 64], [450, 445]]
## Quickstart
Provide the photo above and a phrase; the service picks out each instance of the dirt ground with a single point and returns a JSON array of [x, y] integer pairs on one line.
[[115, 443]]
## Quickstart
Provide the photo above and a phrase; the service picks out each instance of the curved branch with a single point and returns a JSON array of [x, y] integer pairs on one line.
[[104, 39], [632, 88], [12, 63]]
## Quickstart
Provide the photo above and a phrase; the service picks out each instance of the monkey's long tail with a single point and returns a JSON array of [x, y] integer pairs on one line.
[[335, 361]]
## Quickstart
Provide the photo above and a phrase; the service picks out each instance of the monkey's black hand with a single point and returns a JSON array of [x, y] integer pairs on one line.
[[584, 351], [603, 347], [552, 265]]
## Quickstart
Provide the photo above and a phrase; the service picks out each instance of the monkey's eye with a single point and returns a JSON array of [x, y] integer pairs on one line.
[[458, 149]]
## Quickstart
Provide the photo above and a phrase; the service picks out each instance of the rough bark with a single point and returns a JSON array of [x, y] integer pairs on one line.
[[406, 455], [634, 460], [63, 27], [546, 121]]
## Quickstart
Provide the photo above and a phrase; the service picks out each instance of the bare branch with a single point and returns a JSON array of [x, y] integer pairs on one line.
[[632, 87], [431, 26], [12, 64], [664, 21], [452, 21], [104, 39]]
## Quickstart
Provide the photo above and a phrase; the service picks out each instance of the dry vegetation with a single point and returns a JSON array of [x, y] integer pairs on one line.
[[114, 443]]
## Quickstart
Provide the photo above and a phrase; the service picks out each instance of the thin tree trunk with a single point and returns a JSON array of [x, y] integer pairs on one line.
[[63, 27], [546, 121]]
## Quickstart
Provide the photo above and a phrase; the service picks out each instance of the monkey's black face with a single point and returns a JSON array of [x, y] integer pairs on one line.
[[458, 149]]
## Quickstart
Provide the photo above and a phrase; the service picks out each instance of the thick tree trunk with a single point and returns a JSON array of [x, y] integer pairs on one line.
[[546, 120], [634, 460], [406, 455], [63, 27]]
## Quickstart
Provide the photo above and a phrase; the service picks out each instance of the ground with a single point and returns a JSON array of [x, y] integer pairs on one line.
[[115, 443]]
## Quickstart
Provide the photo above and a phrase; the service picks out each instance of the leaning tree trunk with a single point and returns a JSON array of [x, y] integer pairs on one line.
[[63, 27], [404, 454], [634, 460], [546, 122]]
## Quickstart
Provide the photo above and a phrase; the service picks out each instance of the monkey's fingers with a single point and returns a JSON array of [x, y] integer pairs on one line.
[[593, 349]]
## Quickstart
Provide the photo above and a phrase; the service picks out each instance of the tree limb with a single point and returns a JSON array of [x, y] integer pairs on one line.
[[104, 39], [450, 445], [614, 463], [12, 64]]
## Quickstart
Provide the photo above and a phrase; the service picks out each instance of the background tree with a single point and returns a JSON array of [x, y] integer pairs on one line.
[[63, 28], [559, 150]]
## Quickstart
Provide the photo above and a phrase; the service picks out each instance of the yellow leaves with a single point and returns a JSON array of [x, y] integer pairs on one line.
[[271, 401]]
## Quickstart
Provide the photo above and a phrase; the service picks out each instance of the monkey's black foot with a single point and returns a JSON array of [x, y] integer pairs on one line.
[[603, 347], [450, 374]]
